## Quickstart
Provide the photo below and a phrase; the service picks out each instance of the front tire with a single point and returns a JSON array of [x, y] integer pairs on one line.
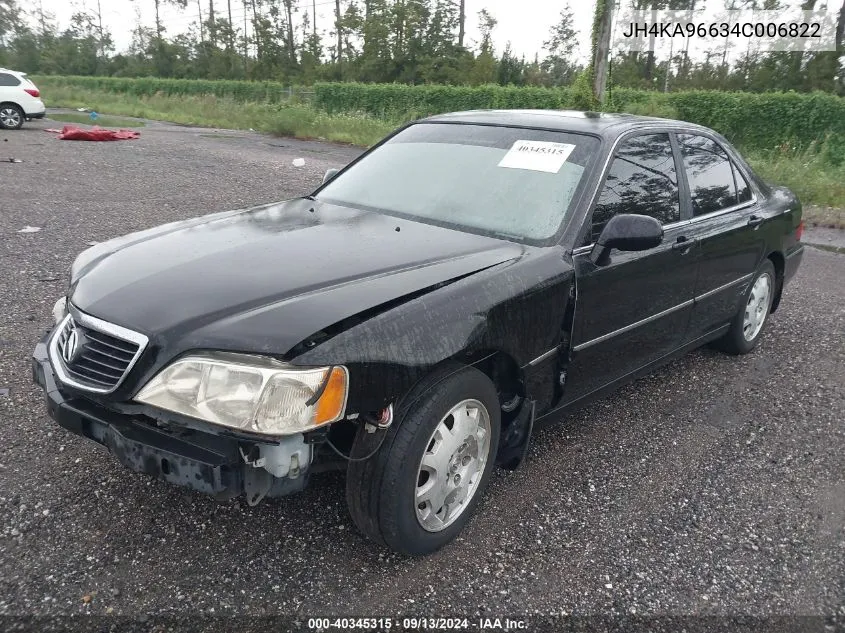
[[417, 493], [750, 321], [11, 116]]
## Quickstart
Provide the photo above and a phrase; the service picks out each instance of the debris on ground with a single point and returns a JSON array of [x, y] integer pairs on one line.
[[30, 229], [299, 162], [13, 160], [74, 133]]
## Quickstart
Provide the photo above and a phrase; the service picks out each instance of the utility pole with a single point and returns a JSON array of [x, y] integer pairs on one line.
[[649, 60], [231, 26], [202, 28], [100, 27], [158, 21], [339, 38], [462, 19], [255, 32], [601, 45], [212, 27], [246, 41], [290, 38], [668, 66], [686, 45], [840, 47], [314, 18]]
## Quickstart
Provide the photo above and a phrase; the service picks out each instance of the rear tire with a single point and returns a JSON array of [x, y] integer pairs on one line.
[[11, 116], [433, 455], [750, 321]]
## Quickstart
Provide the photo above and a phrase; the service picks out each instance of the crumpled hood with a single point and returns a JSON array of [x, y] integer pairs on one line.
[[264, 279]]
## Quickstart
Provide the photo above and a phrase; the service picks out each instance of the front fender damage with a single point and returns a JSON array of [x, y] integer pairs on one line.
[[499, 320]]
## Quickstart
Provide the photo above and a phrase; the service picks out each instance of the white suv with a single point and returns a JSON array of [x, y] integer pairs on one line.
[[19, 100]]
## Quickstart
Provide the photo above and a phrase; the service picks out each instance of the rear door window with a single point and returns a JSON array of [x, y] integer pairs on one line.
[[710, 174]]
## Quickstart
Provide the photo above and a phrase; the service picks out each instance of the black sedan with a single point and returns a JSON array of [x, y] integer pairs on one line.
[[412, 319]]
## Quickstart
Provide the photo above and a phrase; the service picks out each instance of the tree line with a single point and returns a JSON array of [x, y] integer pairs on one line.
[[405, 41]]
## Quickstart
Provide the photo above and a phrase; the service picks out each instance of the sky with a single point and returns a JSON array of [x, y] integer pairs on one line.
[[523, 23]]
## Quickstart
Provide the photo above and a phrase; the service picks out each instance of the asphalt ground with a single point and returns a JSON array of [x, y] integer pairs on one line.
[[715, 486]]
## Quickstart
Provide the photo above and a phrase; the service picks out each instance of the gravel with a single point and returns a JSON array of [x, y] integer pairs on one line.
[[715, 486]]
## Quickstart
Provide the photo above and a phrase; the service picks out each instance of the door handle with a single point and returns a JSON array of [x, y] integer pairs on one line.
[[755, 220], [683, 244]]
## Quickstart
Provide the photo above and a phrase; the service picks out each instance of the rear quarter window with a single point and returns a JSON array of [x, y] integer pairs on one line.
[[743, 190], [9, 80]]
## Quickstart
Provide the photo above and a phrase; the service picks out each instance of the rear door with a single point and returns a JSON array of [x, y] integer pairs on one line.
[[635, 309], [725, 221]]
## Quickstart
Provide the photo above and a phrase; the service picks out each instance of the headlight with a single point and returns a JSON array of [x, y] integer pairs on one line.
[[251, 393]]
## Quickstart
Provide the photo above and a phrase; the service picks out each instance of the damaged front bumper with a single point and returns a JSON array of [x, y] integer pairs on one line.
[[215, 464]]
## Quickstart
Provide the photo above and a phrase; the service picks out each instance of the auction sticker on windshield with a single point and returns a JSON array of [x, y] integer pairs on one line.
[[537, 156]]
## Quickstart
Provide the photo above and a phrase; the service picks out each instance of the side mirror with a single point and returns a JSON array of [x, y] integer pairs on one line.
[[626, 232], [330, 173]]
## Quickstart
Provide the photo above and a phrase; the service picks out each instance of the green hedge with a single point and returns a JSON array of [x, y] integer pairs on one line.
[[399, 100], [765, 120], [241, 91], [755, 121]]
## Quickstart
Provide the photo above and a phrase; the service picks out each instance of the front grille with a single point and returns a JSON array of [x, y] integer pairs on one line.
[[94, 355]]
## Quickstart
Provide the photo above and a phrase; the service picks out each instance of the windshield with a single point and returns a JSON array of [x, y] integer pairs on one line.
[[509, 182]]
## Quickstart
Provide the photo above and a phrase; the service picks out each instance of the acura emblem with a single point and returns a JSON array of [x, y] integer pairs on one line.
[[71, 343]]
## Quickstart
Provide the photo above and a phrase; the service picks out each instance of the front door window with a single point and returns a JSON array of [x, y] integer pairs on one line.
[[642, 179]]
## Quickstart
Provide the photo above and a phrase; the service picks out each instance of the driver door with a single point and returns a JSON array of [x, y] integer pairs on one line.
[[635, 309]]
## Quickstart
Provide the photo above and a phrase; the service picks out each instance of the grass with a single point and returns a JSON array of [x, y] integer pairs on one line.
[[819, 184], [208, 111], [105, 121]]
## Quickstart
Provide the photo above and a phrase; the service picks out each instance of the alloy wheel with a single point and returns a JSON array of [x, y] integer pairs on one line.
[[757, 308], [10, 117], [452, 465]]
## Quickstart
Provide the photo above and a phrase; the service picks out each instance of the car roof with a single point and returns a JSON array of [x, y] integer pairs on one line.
[[600, 123]]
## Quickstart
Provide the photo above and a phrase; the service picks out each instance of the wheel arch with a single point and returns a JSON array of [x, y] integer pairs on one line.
[[516, 408], [499, 366], [779, 262], [502, 370]]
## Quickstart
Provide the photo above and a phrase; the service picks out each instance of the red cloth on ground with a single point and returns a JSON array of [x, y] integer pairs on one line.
[[73, 133]]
